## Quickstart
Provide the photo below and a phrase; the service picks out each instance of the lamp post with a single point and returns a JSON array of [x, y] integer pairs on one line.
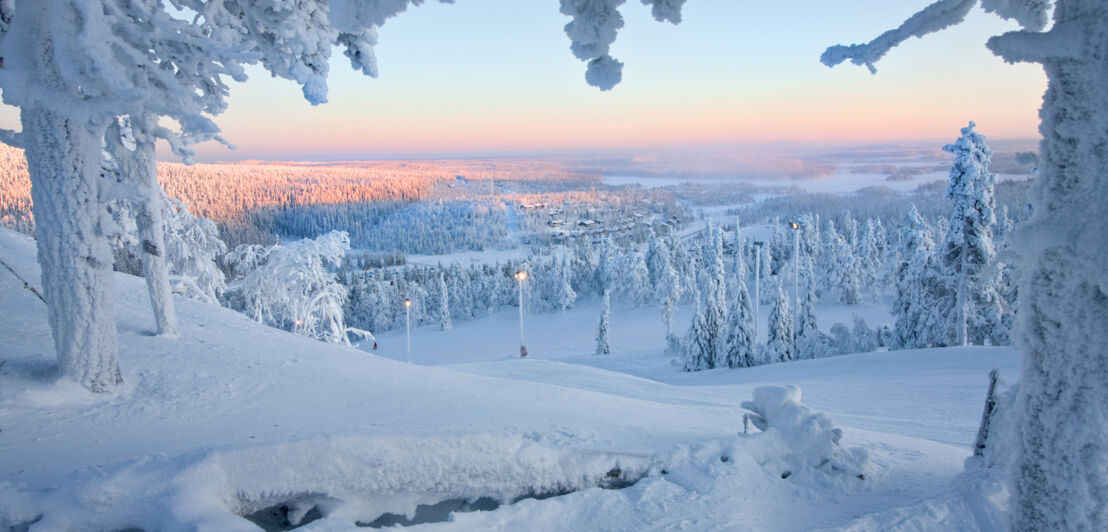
[[408, 325], [521, 276], [796, 280], [757, 283]]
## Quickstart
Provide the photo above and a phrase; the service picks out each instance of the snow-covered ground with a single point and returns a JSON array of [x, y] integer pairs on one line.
[[233, 417]]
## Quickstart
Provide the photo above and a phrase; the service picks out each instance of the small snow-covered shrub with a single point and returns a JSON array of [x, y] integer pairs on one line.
[[841, 340], [798, 438], [863, 338]]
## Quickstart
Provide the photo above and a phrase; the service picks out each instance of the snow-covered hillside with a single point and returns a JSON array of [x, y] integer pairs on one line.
[[234, 418]]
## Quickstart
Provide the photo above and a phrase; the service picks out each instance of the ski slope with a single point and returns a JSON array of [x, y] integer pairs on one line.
[[234, 418]]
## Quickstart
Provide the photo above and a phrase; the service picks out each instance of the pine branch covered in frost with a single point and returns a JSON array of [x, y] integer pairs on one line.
[[591, 32], [1031, 14], [665, 10], [594, 28], [935, 17]]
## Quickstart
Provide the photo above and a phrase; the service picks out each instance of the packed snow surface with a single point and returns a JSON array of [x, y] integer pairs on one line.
[[233, 417]]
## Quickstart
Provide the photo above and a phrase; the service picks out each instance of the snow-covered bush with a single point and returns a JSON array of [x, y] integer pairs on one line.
[[802, 439], [842, 342], [291, 286], [863, 338], [192, 247]]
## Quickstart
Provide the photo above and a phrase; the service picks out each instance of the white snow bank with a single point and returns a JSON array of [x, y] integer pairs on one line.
[[348, 479], [801, 438]]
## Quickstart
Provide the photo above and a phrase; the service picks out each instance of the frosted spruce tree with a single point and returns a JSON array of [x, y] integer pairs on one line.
[[810, 342], [917, 280], [663, 279], [445, 323], [862, 338], [869, 258], [1059, 478], [607, 266], [634, 278], [967, 250], [707, 335], [602, 347], [741, 342], [779, 346], [564, 295], [847, 277]]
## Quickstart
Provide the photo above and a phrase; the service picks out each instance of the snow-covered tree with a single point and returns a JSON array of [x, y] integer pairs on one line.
[[192, 248], [290, 286], [686, 262], [917, 281], [708, 334], [779, 347], [847, 275], [607, 266], [602, 347], [967, 250], [132, 164], [810, 342], [564, 295], [741, 339], [584, 267], [444, 304], [633, 280], [862, 337], [869, 257], [663, 279], [842, 341], [1059, 478], [74, 66]]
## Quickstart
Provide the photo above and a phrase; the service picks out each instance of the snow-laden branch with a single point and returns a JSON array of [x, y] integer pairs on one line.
[[1037, 47], [593, 30], [1030, 14], [935, 17], [11, 138], [665, 10]]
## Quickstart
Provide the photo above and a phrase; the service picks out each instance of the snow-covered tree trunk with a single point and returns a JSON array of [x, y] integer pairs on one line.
[[138, 171], [63, 159], [1061, 475]]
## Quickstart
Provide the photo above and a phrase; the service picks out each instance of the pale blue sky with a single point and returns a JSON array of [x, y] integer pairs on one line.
[[497, 76]]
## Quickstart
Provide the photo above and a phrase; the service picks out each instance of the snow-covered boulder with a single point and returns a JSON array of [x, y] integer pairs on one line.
[[797, 437]]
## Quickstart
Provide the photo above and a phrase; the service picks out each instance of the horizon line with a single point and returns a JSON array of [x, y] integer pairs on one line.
[[547, 153]]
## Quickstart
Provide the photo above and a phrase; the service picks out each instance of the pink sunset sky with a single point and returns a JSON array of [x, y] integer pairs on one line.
[[481, 77]]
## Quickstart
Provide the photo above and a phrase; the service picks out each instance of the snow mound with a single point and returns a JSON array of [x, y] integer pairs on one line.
[[799, 438], [353, 479]]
